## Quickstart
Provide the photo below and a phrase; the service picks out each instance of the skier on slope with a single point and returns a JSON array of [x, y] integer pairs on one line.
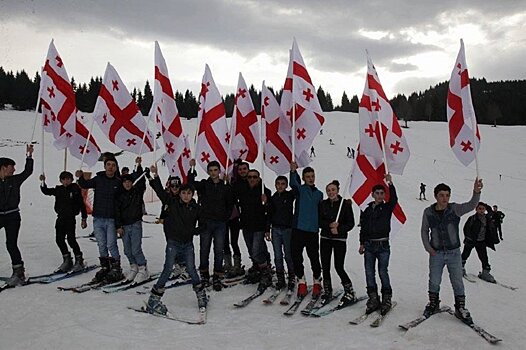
[[68, 204], [499, 217], [375, 223], [179, 225], [440, 237], [334, 238]]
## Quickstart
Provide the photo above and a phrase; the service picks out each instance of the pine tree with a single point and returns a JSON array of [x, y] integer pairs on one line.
[[147, 99], [322, 98], [346, 104], [21, 99], [355, 104]]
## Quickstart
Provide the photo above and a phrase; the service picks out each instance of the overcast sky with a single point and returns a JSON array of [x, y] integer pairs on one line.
[[413, 44]]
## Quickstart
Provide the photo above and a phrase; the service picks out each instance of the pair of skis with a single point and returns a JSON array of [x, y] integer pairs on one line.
[[324, 310], [200, 320], [377, 322], [126, 285], [473, 279]]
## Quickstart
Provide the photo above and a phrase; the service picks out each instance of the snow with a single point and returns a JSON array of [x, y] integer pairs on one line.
[[40, 316]]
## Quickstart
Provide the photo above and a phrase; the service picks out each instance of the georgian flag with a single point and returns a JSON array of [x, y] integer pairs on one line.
[[78, 145], [374, 111], [365, 174], [245, 127], [118, 116], [464, 135], [177, 151], [213, 135]]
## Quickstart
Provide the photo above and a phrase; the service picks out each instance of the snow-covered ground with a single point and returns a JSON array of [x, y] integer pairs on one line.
[[40, 316]]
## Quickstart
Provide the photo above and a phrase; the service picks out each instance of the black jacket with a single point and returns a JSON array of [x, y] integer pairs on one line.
[[472, 229], [10, 188], [328, 210], [106, 190], [216, 199], [281, 209], [128, 207], [68, 200], [180, 219], [254, 215], [375, 221]]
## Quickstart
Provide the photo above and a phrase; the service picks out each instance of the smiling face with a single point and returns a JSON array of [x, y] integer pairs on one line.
[[332, 191], [242, 171], [8, 170]]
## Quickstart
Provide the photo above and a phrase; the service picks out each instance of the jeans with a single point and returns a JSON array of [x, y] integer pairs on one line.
[[257, 247], [310, 241], [232, 238], [11, 223], [132, 242], [377, 250], [327, 246], [281, 243], [482, 252], [65, 228], [176, 251], [106, 236], [215, 230], [453, 260]]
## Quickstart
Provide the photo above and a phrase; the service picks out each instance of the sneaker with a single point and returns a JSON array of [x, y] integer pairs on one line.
[[154, 305], [302, 288], [130, 276], [142, 275]]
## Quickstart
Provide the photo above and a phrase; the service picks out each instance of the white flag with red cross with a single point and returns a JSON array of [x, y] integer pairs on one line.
[[277, 150], [285, 123], [308, 113], [57, 100], [366, 173], [177, 152], [213, 135], [245, 127], [375, 110], [464, 135], [78, 145], [118, 116]]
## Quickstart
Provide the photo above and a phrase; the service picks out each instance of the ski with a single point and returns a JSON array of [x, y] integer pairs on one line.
[[200, 320], [125, 285], [473, 279], [84, 287], [380, 319], [321, 304], [417, 321], [272, 297], [174, 284], [324, 312], [359, 319], [310, 305], [248, 300], [479, 330], [469, 278], [61, 276], [295, 305], [286, 299], [5, 286]]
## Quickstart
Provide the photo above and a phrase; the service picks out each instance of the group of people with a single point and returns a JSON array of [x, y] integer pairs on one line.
[[293, 220]]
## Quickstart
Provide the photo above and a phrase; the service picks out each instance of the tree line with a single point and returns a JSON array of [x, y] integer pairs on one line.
[[501, 102]]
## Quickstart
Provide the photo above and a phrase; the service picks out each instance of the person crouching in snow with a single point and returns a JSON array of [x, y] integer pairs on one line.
[[128, 223], [181, 215]]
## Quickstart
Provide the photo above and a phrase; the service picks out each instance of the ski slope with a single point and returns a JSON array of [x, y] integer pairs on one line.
[[40, 316]]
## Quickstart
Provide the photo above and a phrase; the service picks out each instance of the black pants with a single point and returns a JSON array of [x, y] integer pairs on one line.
[[310, 241], [65, 227], [327, 246], [499, 230], [11, 223], [482, 252], [232, 238]]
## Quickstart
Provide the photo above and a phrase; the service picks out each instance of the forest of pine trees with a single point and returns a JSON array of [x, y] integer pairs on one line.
[[502, 102]]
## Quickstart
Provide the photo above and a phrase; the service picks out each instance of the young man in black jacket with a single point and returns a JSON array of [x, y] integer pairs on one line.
[[10, 213], [181, 216], [375, 224], [106, 185], [281, 214], [216, 201], [129, 206], [68, 204], [499, 218]]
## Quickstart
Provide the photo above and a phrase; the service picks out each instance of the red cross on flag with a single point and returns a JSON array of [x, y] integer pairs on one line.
[[57, 99], [119, 117], [374, 111], [464, 136], [245, 127], [78, 145], [308, 113], [167, 118], [366, 173], [213, 134]]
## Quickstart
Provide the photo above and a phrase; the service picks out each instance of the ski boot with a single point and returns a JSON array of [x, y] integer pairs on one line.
[[200, 292], [433, 306], [253, 275], [386, 301], [205, 277], [67, 263], [266, 278], [326, 297], [104, 270], [280, 284], [373, 303], [115, 273], [349, 296], [302, 288], [292, 282], [316, 288], [154, 305], [227, 263], [18, 277], [216, 282], [486, 276], [130, 276], [142, 275], [79, 264], [460, 310]]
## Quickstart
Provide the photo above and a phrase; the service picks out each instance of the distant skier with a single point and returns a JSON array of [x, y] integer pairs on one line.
[[321, 131], [312, 153], [330, 142], [498, 217], [352, 153], [480, 233], [68, 204], [422, 191], [349, 154], [440, 237]]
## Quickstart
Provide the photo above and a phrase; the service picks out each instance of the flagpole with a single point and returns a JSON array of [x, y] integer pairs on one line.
[[65, 159], [261, 153], [144, 136], [87, 142], [230, 140], [347, 183], [42, 146], [37, 105]]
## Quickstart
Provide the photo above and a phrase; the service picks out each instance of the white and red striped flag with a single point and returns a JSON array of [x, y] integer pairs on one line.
[[464, 135], [213, 135], [167, 118], [366, 173], [277, 151], [245, 127], [374, 111], [119, 117]]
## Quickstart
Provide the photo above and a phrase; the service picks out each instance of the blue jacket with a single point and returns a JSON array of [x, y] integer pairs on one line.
[[307, 200]]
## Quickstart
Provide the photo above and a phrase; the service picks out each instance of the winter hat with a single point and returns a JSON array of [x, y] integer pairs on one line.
[[127, 177]]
